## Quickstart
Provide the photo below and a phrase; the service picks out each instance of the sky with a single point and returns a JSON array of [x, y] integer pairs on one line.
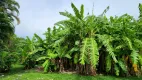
[[37, 15]]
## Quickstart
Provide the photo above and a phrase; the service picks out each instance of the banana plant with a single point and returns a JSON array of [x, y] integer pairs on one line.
[[62, 53], [48, 60], [112, 34], [30, 52]]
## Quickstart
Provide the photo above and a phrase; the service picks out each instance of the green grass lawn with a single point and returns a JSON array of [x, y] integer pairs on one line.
[[18, 74]]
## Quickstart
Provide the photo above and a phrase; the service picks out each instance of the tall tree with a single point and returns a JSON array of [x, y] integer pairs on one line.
[[8, 14]]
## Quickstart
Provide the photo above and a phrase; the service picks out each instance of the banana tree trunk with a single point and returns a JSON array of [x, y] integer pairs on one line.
[[61, 65], [93, 71]]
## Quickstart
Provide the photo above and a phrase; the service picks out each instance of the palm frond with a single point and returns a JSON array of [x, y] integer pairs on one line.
[[116, 68], [138, 43], [67, 14], [76, 11], [89, 48], [134, 56], [83, 52], [82, 11], [94, 55], [122, 65], [39, 39], [106, 41], [46, 65], [105, 11], [108, 63], [128, 42]]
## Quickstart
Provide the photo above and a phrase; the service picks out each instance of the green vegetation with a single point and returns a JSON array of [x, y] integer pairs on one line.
[[8, 13], [85, 44], [18, 74]]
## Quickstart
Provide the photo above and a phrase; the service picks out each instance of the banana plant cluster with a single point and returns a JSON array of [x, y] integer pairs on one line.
[[87, 44], [94, 44]]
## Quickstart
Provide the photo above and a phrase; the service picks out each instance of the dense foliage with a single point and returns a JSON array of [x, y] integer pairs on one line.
[[93, 44], [87, 44], [8, 13]]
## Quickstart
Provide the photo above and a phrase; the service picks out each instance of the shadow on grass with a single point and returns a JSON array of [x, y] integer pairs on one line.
[[16, 69]]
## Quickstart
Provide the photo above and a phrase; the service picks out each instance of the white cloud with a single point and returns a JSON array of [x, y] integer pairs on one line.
[[37, 15]]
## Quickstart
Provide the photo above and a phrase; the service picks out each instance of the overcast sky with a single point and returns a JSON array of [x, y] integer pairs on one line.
[[37, 15]]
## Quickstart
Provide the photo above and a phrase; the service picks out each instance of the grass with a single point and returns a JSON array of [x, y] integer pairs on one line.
[[18, 74]]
